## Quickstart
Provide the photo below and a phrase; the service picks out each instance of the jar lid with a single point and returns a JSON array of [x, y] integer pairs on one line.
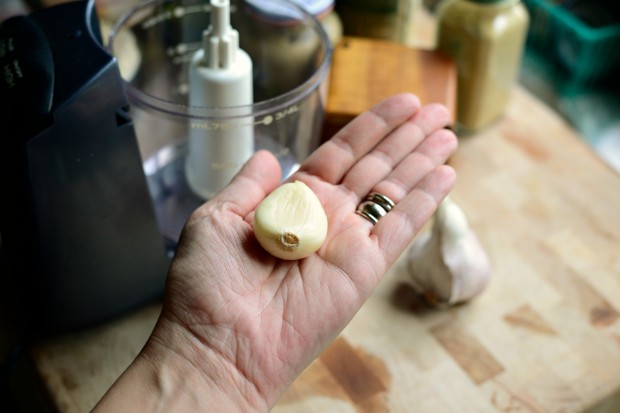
[[280, 11]]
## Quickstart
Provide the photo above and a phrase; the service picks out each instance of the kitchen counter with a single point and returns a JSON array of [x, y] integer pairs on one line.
[[544, 336]]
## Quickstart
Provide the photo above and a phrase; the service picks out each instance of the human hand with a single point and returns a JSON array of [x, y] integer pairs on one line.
[[248, 323]]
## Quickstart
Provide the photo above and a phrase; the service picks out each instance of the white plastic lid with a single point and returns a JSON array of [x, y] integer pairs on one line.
[[278, 10]]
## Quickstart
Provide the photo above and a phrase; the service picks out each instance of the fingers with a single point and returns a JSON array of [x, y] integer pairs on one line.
[[335, 157], [258, 177], [406, 176], [416, 184], [401, 143], [433, 151], [398, 227]]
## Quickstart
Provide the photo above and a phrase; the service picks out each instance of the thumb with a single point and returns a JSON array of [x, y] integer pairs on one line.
[[257, 178]]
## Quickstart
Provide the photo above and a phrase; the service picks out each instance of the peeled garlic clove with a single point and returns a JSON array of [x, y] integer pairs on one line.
[[290, 223]]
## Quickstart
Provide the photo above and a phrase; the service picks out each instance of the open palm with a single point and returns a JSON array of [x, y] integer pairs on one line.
[[266, 318]]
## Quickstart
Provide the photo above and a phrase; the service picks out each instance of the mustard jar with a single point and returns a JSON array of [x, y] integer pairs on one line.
[[486, 38]]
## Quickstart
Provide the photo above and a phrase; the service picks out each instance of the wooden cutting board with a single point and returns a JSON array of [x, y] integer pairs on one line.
[[544, 336]]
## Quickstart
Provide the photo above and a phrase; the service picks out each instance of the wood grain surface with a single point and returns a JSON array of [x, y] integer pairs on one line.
[[543, 337], [365, 71]]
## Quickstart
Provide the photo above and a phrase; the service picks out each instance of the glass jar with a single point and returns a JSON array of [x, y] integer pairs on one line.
[[379, 19], [486, 38], [285, 49]]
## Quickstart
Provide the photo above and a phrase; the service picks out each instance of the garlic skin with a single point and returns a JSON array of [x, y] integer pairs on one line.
[[290, 223], [448, 265]]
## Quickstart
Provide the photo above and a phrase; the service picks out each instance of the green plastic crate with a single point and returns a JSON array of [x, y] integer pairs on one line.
[[584, 53]]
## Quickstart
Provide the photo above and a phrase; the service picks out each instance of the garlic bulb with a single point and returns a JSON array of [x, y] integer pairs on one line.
[[290, 223], [448, 264]]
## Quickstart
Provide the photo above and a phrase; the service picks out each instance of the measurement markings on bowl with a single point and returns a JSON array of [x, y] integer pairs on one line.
[[266, 120]]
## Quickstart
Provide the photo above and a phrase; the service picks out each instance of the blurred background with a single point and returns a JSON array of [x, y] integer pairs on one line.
[[571, 60]]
